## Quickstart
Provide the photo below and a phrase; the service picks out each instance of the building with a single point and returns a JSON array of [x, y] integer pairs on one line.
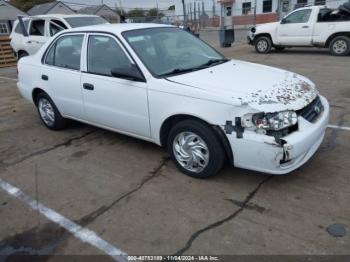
[[56, 7], [8, 14], [243, 11], [101, 10]]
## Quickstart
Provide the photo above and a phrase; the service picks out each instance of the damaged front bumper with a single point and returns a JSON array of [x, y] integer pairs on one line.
[[262, 153]]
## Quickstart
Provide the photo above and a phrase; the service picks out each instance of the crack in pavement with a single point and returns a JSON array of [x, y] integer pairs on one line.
[[39, 241], [87, 219], [243, 206], [45, 150]]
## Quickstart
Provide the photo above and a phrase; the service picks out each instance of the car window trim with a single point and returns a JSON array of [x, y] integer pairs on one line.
[[54, 42], [128, 55], [154, 75]]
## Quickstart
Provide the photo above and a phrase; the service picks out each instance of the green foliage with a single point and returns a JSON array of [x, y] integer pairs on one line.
[[25, 5], [154, 12], [172, 7]]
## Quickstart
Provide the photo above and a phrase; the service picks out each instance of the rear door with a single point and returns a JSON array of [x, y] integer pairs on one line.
[[60, 75], [110, 101], [37, 36], [296, 29]]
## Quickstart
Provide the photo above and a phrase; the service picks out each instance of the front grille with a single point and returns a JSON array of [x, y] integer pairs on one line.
[[312, 110]]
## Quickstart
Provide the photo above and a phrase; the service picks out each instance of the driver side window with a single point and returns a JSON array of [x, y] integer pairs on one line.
[[301, 16], [104, 54]]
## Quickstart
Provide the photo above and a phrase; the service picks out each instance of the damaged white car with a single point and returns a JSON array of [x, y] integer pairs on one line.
[[162, 84]]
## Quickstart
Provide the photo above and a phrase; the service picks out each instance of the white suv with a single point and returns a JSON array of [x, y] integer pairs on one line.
[[38, 29]]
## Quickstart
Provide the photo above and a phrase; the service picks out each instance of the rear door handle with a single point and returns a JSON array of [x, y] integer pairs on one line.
[[44, 77], [305, 26], [88, 86]]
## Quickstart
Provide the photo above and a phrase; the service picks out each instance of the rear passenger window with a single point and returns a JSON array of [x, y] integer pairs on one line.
[[37, 27], [66, 52], [104, 54]]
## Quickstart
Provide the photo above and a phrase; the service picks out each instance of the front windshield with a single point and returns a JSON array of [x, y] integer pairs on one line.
[[169, 51], [85, 21]]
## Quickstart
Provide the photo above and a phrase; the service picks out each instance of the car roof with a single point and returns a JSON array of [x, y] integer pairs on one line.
[[58, 16], [116, 28]]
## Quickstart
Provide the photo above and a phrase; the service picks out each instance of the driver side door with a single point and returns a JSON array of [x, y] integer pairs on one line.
[[296, 29], [112, 102]]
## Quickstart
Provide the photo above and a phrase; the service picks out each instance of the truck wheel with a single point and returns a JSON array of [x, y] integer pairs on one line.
[[263, 45], [195, 149], [340, 46]]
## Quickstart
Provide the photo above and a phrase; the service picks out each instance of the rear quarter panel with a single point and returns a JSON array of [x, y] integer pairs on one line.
[[324, 30], [28, 75]]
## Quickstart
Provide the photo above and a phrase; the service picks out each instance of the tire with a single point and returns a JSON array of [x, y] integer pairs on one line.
[[340, 46], [21, 54], [263, 45], [48, 112], [208, 151]]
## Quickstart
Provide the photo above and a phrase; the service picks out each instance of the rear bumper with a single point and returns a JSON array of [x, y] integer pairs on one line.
[[261, 153]]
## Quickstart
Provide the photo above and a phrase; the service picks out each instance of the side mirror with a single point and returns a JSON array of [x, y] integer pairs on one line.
[[129, 73], [284, 21]]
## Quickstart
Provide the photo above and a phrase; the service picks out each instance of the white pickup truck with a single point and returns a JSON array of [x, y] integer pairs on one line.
[[311, 26]]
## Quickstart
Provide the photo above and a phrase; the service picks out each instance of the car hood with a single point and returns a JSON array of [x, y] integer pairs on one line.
[[263, 88], [267, 27]]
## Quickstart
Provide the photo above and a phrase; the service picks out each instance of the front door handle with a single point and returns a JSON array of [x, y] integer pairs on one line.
[[88, 86], [44, 77], [305, 26]]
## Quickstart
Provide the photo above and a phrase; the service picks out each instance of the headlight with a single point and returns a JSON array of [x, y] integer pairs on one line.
[[275, 121]]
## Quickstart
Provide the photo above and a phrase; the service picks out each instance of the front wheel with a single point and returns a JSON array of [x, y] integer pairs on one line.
[[340, 46], [195, 149], [263, 45]]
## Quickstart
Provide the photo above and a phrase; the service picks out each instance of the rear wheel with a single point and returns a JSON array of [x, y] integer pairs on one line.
[[49, 113], [340, 46], [195, 149], [263, 44]]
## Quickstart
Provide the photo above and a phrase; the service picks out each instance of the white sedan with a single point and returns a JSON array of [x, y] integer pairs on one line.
[[162, 84]]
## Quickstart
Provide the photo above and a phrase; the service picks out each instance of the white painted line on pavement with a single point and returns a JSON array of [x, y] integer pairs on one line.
[[79, 232], [339, 127], [8, 78]]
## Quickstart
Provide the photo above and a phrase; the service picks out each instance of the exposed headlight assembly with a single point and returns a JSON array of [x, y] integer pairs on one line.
[[275, 121]]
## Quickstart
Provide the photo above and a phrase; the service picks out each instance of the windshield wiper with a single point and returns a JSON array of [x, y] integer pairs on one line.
[[186, 70], [178, 71], [212, 62]]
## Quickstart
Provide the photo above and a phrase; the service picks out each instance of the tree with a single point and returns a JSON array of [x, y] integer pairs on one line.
[[154, 12], [136, 13], [172, 7], [25, 5]]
